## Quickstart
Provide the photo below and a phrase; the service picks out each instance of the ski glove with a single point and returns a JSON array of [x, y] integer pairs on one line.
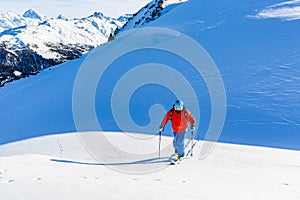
[[193, 127], [161, 128]]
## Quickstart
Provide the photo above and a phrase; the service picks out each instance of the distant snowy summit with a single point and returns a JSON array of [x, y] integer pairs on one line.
[[43, 35], [11, 20], [33, 15], [33, 42]]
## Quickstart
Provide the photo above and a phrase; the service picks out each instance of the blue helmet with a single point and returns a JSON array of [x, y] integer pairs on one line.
[[178, 105]]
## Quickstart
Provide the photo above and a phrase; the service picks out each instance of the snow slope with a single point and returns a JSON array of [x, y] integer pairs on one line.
[[258, 60], [63, 170], [150, 12], [263, 106], [42, 156], [287, 10]]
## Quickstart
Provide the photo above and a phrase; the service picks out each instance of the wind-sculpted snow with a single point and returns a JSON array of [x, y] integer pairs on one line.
[[258, 61], [288, 10]]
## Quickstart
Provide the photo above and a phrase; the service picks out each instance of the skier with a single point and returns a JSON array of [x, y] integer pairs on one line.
[[180, 117]]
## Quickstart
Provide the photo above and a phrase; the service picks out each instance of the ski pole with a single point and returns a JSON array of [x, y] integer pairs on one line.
[[192, 143], [159, 144]]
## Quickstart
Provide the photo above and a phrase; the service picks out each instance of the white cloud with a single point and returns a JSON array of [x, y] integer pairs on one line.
[[74, 8]]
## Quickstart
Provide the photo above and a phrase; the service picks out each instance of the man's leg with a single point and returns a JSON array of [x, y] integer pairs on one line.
[[178, 143], [175, 145]]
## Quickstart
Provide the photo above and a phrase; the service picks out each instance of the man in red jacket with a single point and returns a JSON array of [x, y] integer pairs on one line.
[[180, 118]]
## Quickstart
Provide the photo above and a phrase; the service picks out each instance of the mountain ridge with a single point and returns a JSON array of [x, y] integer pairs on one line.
[[33, 42]]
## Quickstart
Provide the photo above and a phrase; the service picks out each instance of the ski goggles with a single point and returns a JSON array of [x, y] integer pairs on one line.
[[178, 108]]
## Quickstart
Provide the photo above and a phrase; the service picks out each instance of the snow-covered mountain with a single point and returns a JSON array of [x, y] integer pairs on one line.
[[148, 13], [11, 20], [262, 104], [32, 42], [42, 155]]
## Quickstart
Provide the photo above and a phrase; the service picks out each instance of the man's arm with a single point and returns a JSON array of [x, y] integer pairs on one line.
[[165, 119], [192, 120]]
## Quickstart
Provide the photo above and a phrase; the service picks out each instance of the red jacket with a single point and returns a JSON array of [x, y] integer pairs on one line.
[[180, 120]]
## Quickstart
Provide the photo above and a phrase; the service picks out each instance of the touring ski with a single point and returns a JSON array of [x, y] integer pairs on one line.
[[176, 161]]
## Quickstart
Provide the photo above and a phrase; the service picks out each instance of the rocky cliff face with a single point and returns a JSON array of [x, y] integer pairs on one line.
[[16, 63]]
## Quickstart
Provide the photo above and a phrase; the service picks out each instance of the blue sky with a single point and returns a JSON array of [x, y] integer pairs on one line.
[[73, 8]]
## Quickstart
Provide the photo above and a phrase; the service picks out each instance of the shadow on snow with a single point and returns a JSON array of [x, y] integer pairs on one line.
[[146, 161]]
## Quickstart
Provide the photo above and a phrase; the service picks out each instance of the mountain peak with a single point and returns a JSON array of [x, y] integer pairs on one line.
[[98, 14], [32, 14], [61, 17]]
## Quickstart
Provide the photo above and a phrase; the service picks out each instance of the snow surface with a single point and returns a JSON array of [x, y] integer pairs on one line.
[[288, 10], [172, 2], [149, 13], [263, 105], [258, 60], [42, 158], [57, 167]]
